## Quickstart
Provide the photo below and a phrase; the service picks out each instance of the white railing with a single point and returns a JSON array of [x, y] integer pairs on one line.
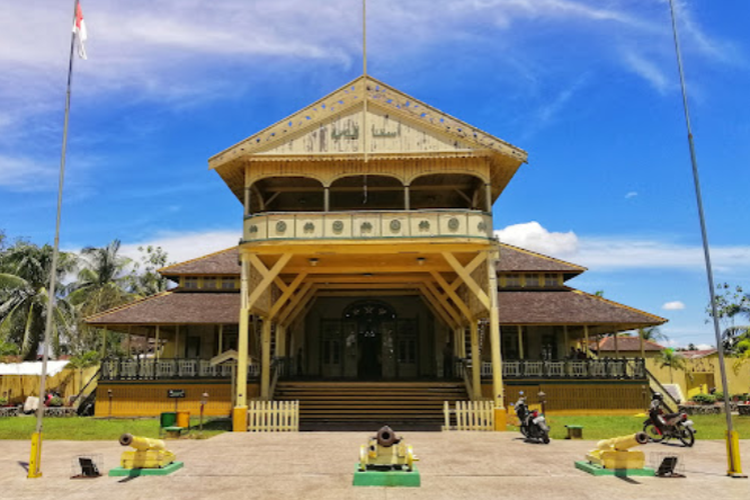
[[273, 416], [169, 369], [632, 368], [469, 416], [368, 225]]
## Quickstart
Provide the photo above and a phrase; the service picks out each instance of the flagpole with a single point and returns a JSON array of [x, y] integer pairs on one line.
[[733, 453], [36, 439]]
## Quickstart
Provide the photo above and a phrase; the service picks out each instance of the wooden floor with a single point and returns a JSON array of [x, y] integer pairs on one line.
[[365, 405]]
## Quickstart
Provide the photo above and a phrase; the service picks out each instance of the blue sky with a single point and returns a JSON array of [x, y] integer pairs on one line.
[[589, 88]]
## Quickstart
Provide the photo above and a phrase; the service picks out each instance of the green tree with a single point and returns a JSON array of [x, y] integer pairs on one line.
[[731, 303], [145, 280], [651, 333], [24, 280], [101, 285], [672, 359]]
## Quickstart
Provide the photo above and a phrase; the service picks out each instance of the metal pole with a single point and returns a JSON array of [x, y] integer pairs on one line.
[[733, 454], [36, 440]]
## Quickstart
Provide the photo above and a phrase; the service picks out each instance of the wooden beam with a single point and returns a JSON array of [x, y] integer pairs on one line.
[[306, 300], [453, 295], [268, 275], [285, 296], [437, 308], [466, 277], [293, 303], [444, 302]]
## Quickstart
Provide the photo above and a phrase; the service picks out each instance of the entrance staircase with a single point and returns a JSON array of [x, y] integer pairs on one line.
[[366, 405]]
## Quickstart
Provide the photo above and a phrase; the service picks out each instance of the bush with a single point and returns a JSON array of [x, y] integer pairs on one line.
[[703, 399], [3, 401], [718, 396]]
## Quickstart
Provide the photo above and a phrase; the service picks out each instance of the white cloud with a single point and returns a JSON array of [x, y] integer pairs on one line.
[[622, 252], [675, 305], [646, 69], [25, 174], [185, 246], [631, 194]]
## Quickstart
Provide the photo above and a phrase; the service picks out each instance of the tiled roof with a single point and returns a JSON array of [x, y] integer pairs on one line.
[[174, 308], [626, 343], [221, 263], [515, 259], [569, 307], [698, 354]]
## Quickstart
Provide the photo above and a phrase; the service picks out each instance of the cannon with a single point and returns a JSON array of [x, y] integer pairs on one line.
[[386, 452], [616, 453], [148, 454]]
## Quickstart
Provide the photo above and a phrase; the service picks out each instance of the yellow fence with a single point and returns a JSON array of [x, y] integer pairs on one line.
[[67, 383], [273, 416], [470, 416], [149, 399]]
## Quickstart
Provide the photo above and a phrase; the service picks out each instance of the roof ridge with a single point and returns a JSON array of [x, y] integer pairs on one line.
[[617, 304], [125, 306], [212, 254], [537, 254]]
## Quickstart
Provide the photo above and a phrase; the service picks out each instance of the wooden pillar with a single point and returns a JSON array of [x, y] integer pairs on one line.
[[617, 347], [221, 339], [239, 415], [461, 337], [476, 363], [586, 340], [407, 198], [497, 365], [265, 364], [519, 329], [247, 200], [157, 351], [488, 195], [176, 342], [326, 199]]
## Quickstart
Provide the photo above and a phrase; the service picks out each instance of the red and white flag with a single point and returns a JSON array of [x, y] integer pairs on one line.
[[79, 28]]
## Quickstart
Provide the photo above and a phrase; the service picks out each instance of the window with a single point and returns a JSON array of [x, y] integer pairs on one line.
[[209, 283], [532, 279], [190, 282], [228, 283], [512, 280], [551, 279]]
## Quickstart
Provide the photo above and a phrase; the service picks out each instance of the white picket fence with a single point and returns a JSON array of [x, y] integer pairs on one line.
[[273, 416], [470, 416]]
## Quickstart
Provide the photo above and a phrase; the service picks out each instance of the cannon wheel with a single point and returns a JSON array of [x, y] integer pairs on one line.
[[363, 457], [410, 457], [686, 435], [653, 433]]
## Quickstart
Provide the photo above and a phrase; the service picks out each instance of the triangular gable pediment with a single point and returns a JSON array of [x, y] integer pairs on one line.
[[395, 123]]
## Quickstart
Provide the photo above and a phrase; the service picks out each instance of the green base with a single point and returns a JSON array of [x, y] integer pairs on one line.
[[386, 478], [598, 470], [119, 471]]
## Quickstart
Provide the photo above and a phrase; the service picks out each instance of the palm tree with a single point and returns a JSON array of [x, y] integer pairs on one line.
[[674, 360], [24, 279], [101, 285]]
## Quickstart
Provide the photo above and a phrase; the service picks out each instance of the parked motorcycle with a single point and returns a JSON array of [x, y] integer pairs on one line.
[[532, 424], [662, 426]]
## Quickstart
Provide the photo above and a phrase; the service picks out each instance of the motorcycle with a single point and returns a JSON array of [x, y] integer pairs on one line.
[[662, 426], [532, 424]]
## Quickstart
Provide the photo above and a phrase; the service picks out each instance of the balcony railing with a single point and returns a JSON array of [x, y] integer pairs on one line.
[[169, 369], [368, 225], [624, 368]]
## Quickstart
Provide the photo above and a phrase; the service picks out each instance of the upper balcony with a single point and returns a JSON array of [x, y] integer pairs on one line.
[[386, 224]]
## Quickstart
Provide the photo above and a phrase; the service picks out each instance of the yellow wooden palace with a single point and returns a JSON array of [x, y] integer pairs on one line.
[[368, 284]]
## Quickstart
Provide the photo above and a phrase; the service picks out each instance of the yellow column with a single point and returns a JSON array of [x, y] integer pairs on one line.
[[476, 363], [157, 351], [221, 339], [586, 340], [461, 337], [265, 364], [617, 347], [280, 341], [520, 342], [497, 365], [239, 415]]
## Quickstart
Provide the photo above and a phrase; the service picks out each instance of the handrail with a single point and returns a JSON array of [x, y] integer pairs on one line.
[[78, 399], [653, 380], [466, 369]]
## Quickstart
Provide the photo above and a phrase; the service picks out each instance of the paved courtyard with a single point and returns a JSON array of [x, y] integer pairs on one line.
[[319, 465]]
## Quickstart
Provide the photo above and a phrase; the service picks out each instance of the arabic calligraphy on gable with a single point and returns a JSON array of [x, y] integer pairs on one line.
[[345, 133]]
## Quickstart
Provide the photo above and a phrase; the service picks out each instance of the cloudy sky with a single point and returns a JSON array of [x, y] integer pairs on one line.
[[588, 87]]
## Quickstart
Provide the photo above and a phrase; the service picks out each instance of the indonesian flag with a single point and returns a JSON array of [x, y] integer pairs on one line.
[[79, 28]]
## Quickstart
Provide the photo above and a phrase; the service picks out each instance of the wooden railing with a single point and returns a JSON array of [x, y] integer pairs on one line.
[[622, 368], [273, 416], [168, 369], [469, 416]]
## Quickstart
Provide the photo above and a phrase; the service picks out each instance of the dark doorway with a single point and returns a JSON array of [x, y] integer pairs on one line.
[[370, 366]]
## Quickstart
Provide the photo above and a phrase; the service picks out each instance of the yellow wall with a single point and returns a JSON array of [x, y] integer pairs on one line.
[[702, 374], [149, 399], [68, 382], [580, 397]]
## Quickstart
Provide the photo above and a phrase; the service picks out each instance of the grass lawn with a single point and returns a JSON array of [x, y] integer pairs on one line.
[[600, 427], [89, 429]]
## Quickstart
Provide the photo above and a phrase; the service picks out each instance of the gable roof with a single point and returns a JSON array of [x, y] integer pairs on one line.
[[516, 259], [626, 343], [222, 263], [379, 96]]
